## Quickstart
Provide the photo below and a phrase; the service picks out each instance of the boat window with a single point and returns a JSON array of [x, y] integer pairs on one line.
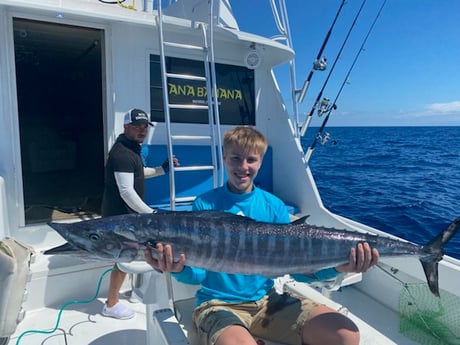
[[235, 86]]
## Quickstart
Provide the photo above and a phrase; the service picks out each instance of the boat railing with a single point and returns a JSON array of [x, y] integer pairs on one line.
[[281, 18]]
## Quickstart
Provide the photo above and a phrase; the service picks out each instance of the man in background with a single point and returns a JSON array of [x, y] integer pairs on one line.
[[124, 190]]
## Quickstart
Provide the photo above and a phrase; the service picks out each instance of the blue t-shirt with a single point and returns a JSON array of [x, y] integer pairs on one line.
[[258, 205]]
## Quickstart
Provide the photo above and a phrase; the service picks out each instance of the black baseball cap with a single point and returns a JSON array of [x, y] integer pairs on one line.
[[137, 117]]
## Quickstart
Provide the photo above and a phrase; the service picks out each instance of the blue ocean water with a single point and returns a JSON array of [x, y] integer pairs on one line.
[[402, 180]]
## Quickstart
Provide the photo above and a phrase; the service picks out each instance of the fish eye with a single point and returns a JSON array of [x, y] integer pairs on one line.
[[94, 237]]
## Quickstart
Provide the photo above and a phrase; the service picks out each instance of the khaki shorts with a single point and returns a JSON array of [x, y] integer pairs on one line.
[[275, 317]]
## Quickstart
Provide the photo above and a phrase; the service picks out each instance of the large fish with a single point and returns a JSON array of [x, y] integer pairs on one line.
[[220, 241]]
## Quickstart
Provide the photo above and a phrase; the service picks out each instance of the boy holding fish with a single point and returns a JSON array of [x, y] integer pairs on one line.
[[233, 308]]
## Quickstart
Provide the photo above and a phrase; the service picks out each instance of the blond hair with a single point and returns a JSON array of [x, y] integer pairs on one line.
[[246, 137]]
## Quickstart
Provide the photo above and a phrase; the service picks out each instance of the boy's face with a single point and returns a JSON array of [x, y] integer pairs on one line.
[[242, 168]]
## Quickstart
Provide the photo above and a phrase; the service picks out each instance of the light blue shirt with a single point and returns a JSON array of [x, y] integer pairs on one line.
[[258, 205]]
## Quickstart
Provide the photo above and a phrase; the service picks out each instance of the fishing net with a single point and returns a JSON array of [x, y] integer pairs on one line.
[[427, 319]]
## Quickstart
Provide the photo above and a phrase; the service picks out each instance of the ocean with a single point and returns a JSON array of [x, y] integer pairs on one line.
[[402, 180]]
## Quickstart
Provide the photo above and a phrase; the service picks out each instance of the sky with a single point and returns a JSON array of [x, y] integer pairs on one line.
[[407, 74]]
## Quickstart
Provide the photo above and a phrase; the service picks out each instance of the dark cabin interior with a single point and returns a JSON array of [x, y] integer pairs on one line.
[[60, 97]]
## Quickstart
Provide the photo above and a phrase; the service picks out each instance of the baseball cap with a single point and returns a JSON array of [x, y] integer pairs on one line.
[[137, 117]]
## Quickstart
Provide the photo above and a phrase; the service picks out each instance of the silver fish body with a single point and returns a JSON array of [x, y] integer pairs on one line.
[[220, 241]]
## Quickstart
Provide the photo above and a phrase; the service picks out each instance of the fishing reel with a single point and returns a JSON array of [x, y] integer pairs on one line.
[[320, 64], [325, 107]]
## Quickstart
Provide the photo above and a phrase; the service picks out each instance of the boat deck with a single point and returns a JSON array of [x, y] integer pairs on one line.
[[83, 323]]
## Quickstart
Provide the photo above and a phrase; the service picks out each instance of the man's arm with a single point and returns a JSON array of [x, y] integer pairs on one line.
[[160, 170], [125, 183], [153, 172]]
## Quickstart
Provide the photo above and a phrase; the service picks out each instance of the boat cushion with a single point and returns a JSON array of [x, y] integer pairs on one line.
[[15, 260]]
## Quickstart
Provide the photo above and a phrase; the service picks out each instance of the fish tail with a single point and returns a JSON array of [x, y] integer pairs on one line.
[[435, 251]]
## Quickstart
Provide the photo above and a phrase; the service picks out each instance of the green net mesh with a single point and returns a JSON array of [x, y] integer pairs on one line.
[[429, 320]]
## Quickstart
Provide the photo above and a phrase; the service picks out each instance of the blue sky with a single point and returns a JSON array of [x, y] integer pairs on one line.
[[407, 74]]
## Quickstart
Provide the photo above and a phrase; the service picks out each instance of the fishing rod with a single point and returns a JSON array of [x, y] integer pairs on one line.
[[320, 63], [308, 119], [334, 106]]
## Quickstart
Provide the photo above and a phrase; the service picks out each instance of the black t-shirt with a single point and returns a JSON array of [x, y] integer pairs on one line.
[[123, 157]]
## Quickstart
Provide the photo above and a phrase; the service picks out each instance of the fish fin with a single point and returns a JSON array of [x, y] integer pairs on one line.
[[445, 235], [301, 220], [434, 252], [431, 272]]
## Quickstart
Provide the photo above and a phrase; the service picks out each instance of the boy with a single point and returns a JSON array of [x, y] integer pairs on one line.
[[232, 308]]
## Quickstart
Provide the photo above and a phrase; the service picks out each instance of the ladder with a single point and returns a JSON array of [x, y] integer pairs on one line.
[[212, 106]]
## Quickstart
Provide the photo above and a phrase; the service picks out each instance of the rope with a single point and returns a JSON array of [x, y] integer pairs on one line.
[[56, 327]]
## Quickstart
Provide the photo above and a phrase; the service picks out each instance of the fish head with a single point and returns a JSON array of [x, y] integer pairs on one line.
[[95, 240]]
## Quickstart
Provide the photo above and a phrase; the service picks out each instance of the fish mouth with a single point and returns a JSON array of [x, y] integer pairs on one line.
[[66, 248]]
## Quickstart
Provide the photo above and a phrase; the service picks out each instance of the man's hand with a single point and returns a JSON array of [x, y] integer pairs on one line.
[[165, 259], [360, 260], [165, 164]]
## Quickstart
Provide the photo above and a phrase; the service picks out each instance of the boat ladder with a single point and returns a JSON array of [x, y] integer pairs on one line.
[[212, 106]]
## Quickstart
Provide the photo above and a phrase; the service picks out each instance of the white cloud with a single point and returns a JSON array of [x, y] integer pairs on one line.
[[444, 108], [448, 111], [434, 114]]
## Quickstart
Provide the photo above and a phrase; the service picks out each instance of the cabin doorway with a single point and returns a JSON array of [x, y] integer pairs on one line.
[[60, 106]]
